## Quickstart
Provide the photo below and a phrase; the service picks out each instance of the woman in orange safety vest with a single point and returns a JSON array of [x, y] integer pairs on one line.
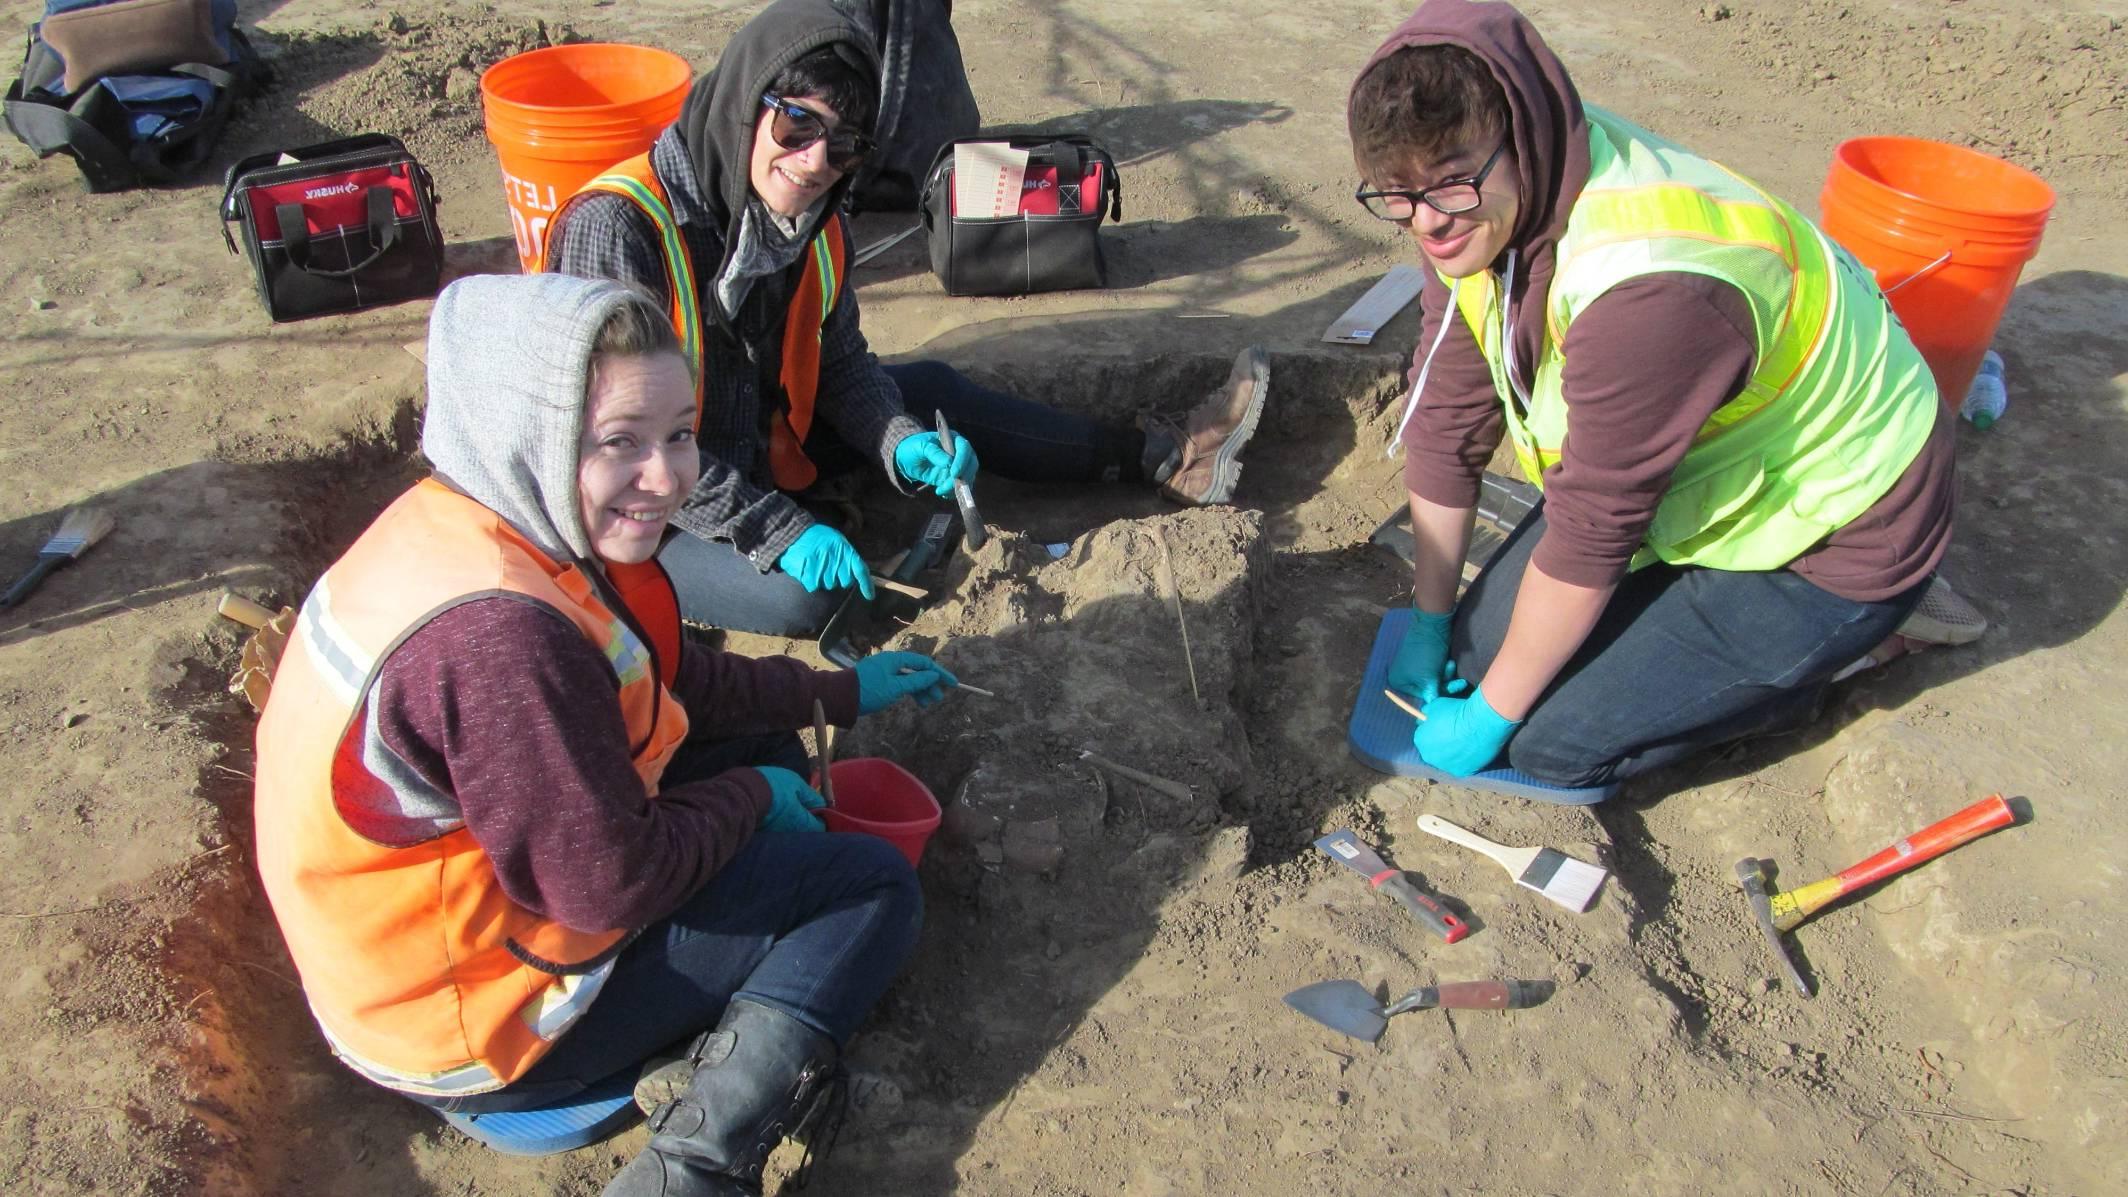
[[519, 833]]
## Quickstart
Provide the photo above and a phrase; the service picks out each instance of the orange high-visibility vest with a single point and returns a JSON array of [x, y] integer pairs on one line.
[[416, 963], [818, 291]]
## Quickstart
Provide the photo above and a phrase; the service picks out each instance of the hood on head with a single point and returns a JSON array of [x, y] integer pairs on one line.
[[1549, 129], [724, 105], [509, 363]]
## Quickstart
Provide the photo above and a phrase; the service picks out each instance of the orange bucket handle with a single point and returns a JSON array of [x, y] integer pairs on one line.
[[1920, 274]]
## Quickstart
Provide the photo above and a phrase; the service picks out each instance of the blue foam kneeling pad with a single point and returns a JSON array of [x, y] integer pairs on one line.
[[1380, 734], [599, 1112]]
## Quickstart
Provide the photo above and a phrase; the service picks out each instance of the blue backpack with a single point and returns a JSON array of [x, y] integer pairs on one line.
[[135, 91]]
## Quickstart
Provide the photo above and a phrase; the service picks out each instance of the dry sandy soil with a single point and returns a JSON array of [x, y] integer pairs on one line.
[[1095, 1007]]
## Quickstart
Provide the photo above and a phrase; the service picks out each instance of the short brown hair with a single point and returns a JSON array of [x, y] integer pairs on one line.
[[1420, 103], [636, 327]]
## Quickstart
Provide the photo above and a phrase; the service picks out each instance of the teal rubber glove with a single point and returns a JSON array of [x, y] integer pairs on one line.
[[791, 802], [1460, 736], [924, 461], [1420, 659], [824, 559], [885, 678]]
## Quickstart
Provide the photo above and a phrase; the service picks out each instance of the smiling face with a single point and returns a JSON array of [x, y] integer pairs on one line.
[[791, 181], [636, 460], [1466, 243]]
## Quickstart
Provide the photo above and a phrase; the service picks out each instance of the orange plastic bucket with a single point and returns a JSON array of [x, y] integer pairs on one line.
[[878, 797], [1946, 230], [559, 117]]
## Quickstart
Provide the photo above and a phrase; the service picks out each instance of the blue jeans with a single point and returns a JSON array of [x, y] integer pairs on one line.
[[1013, 438], [813, 925], [1682, 659]]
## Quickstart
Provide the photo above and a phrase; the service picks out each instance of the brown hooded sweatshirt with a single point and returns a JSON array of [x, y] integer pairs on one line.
[[1646, 363]]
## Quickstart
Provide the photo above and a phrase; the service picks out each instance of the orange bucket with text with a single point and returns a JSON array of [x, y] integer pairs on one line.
[[1946, 230], [558, 117]]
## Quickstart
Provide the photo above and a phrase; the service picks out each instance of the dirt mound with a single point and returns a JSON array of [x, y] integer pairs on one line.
[[416, 78]]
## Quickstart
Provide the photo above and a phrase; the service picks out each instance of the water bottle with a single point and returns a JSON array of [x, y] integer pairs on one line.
[[1986, 398]]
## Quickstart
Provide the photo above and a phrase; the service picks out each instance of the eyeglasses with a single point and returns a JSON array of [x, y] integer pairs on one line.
[[1448, 198], [795, 127]]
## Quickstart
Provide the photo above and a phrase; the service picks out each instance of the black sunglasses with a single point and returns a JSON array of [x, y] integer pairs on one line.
[[1449, 198], [795, 127]]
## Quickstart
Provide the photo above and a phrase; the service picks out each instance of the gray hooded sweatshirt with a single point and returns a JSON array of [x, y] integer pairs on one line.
[[500, 705]]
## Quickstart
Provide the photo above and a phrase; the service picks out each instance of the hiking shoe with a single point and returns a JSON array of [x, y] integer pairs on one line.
[[662, 1080], [1943, 617], [1202, 461]]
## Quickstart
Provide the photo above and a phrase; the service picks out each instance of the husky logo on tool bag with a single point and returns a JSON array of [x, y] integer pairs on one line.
[[347, 188]]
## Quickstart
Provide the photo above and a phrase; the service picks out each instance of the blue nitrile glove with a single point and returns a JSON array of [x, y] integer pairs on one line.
[[882, 678], [1460, 736], [824, 559], [791, 802], [924, 461], [1416, 671]]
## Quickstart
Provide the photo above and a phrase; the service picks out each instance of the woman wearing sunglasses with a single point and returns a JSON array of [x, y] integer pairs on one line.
[[1746, 472], [731, 220]]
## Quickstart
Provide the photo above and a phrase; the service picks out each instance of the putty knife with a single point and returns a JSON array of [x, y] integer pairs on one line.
[[1349, 850]]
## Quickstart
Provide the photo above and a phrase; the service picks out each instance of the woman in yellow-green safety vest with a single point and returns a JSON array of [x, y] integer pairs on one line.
[[1746, 471]]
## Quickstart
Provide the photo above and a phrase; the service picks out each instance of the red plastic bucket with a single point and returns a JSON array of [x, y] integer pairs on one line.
[[559, 117], [878, 797], [1947, 230]]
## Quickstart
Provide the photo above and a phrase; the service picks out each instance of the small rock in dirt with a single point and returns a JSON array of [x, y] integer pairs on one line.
[[1570, 971], [1036, 846], [73, 719], [460, 85], [397, 24], [964, 825], [42, 305], [1227, 858], [1714, 12]]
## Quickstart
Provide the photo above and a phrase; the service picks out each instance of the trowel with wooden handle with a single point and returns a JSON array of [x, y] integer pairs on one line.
[[1350, 1008]]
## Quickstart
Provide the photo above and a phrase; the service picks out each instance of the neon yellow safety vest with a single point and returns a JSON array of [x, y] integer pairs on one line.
[[1839, 405]]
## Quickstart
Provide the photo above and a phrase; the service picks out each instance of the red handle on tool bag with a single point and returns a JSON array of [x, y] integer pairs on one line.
[[1930, 842]]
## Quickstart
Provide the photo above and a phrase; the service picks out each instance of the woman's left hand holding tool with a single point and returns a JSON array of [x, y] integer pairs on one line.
[[885, 678]]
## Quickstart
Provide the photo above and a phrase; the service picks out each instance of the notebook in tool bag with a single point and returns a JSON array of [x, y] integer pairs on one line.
[[1039, 228], [336, 227]]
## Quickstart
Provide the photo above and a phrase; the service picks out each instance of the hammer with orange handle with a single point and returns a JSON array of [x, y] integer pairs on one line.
[[1784, 911], [1791, 907]]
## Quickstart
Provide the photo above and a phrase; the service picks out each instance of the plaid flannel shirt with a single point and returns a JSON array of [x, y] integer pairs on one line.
[[606, 236]]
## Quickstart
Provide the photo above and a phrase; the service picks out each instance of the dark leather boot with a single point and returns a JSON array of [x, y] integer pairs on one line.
[[762, 1076]]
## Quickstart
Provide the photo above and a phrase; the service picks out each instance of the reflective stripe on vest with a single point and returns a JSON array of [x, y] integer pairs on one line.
[[819, 290], [1838, 405], [421, 970]]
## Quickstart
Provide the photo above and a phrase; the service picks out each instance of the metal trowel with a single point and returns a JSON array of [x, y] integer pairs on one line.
[[1350, 1008]]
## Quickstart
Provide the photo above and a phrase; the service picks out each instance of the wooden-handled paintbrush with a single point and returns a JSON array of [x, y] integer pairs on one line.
[[81, 528]]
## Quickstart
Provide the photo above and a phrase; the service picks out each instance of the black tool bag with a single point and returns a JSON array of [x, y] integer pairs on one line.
[[135, 91], [1052, 243], [924, 98], [336, 227]]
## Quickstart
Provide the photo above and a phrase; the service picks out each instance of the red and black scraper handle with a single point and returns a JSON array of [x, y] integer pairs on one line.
[[1349, 850]]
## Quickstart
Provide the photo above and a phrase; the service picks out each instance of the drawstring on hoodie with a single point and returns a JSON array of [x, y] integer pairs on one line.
[[1411, 405], [1507, 341]]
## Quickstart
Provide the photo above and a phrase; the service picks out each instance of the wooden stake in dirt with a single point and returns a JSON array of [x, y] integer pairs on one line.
[[1164, 573], [822, 749], [1173, 789]]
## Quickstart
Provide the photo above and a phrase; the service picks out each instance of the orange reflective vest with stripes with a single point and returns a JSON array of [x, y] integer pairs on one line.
[[819, 288], [420, 969]]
